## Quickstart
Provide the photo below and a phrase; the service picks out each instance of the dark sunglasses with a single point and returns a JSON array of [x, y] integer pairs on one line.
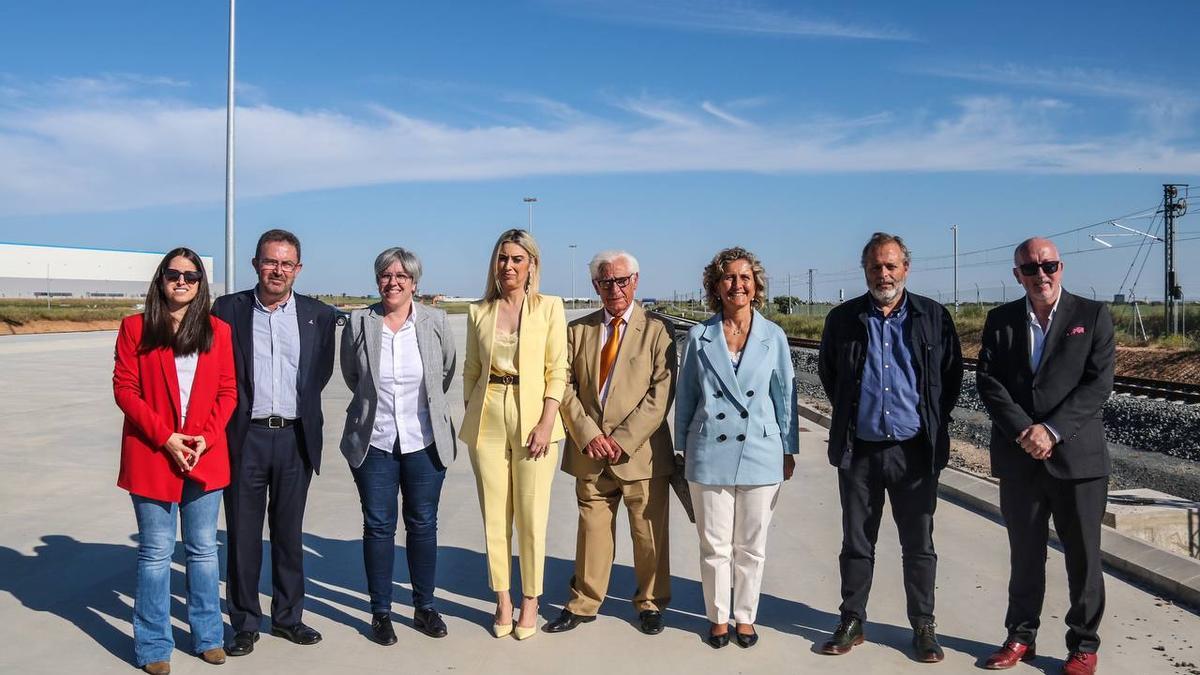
[[1030, 269], [175, 275], [621, 282]]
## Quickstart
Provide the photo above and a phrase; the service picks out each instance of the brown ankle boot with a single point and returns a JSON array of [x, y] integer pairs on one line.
[[158, 668], [215, 656]]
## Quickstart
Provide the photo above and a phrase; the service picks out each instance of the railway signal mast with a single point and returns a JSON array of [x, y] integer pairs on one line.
[[1173, 207]]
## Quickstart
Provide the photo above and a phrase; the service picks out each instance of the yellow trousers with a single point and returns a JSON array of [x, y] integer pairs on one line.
[[511, 486]]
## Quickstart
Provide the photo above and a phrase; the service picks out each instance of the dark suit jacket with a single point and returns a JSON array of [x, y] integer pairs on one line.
[[937, 360], [317, 322], [1074, 379]]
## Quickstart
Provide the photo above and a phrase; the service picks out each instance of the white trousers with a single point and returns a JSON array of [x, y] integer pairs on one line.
[[732, 522]]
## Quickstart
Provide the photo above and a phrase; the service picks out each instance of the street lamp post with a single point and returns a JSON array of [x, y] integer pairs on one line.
[[572, 247], [229, 109], [530, 201]]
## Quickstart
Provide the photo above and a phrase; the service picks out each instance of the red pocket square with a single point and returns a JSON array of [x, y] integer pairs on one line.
[[1077, 330]]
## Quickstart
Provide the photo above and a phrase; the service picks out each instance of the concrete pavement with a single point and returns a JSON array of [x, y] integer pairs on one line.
[[67, 560]]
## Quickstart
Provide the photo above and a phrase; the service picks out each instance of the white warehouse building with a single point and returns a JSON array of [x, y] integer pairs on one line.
[[32, 270]]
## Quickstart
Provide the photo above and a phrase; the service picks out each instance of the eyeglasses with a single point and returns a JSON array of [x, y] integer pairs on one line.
[[1030, 269], [399, 278], [621, 282], [285, 265], [175, 275]]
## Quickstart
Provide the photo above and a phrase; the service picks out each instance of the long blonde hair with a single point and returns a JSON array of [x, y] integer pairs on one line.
[[491, 288]]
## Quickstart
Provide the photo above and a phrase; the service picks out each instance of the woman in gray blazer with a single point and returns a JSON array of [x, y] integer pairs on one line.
[[398, 360]]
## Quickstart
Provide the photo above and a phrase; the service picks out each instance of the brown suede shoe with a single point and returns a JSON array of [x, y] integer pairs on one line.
[[215, 656], [158, 668]]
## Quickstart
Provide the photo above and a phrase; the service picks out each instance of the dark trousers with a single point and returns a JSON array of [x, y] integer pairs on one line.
[[1077, 507], [270, 480], [901, 470], [418, 477]]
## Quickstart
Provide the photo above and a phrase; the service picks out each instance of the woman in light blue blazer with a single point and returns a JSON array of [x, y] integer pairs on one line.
[[735, 420]]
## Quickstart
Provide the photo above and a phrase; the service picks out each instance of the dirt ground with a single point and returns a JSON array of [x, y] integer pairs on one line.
[[1159, 364], [31, 327]]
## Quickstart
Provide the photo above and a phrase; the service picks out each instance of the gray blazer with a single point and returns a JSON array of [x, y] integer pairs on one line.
[[361, 340]]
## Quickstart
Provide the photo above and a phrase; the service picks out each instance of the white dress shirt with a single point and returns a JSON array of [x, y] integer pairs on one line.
[[1037, 343], [185, 372], [604, 340], [402, 416]]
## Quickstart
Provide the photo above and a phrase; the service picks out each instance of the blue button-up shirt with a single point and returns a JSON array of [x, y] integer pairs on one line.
[[276, 359], [888, 396]]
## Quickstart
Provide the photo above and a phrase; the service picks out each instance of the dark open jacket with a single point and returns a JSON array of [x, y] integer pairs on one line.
[[938, 365]]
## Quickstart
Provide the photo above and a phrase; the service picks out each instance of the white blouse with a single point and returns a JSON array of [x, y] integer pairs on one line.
[[402, 415], [185, 372]]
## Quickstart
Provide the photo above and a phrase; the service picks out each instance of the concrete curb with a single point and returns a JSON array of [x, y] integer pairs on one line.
[[1174, 576]]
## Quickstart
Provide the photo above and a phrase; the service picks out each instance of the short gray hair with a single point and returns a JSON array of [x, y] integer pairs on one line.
[[882, 239], [407, 259], [610, 256]]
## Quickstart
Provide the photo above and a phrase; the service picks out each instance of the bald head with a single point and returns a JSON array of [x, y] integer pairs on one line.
[[1039, 270], [1027, 250]]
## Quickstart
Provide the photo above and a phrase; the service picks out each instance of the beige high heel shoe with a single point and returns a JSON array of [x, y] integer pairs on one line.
[[521, 632], [503, 629]]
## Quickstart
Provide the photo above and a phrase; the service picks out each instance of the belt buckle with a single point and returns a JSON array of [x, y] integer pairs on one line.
[[275, 422], [507, 379]]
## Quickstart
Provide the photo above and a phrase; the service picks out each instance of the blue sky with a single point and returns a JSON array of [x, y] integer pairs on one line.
[[670, 128]]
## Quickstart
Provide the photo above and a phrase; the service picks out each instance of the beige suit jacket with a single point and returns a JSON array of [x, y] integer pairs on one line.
[[640, 394]]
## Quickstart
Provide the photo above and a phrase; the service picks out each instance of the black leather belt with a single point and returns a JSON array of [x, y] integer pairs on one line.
[[503, 379], [274, 422]]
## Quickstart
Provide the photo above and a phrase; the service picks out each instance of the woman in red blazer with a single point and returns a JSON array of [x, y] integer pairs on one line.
[[174, 380]]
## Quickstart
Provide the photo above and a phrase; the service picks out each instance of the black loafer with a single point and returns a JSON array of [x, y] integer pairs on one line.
[[746, 641], [429, 622], [299, 634], [651, 621], [243, 643], [717, 641], [381, 629], [567, 620]]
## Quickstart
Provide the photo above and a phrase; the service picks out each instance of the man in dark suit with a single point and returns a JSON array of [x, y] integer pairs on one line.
[[283, 350], [1045, 371], [891, 365]]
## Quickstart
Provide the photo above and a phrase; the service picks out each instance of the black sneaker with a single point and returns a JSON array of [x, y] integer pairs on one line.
[[848, 634]]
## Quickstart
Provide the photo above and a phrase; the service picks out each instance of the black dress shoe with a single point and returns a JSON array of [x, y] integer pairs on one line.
[[717, 641], [567, 620], [925, 643], [848, 634], [652, 621], [299, 634], [746, 640], [243, 643], [429, 622], [381, 629]]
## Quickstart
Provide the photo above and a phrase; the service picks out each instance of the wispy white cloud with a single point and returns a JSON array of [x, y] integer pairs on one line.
[[724, 16], [115, 152]]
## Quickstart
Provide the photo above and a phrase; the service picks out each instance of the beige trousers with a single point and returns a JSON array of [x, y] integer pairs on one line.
[[732, 522]]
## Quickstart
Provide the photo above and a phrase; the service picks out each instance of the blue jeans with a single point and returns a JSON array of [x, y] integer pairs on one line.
[[152, 639], [418, 476]]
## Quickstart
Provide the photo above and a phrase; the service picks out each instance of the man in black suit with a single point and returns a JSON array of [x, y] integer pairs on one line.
[[1045, 371], [283, 351]]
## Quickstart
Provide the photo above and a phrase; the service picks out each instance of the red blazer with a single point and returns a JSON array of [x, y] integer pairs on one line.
[[147, 391]]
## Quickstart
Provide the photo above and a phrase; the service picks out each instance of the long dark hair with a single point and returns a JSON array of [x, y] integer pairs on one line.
[[195, 332]]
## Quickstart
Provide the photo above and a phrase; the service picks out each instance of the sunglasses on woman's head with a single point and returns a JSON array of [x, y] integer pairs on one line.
[[1030, 269], [174, 275]]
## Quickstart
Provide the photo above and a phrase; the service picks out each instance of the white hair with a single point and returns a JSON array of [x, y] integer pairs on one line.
[[610, 256]]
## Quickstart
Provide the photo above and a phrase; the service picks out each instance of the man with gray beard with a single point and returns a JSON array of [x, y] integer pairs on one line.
[[891, 365]]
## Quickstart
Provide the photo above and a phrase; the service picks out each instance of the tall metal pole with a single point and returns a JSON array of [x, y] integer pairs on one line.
[[1171, 291], [229, 107], [791, 298], [810, 289], [530, 201], [573, 296], [954, 230]]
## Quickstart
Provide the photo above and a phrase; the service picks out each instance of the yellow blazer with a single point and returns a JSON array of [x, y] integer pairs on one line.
[[541, 363]]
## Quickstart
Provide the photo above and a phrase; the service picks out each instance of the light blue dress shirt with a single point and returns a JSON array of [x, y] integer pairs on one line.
[[888, 397], [1037, 344], [276, 359]]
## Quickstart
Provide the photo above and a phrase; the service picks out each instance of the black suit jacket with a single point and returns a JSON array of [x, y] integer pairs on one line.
[[1074, 379], [317, 322], [937, 359]]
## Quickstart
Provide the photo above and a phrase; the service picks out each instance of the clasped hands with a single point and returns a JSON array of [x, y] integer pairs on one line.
[[1037, 441], [604, 448], [185, 450]]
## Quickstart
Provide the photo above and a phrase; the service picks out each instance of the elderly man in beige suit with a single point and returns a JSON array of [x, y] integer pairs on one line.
[[619, 448]]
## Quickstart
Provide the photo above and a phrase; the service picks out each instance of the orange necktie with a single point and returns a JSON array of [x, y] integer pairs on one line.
[[609, 354]]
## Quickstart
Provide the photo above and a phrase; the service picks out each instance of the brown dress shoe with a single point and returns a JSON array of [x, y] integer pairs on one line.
[[215, 656], [158, 668], [1009, 655], [1081, 663]]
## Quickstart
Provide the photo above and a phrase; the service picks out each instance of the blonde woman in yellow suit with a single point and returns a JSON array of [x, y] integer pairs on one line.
[[513, 379]]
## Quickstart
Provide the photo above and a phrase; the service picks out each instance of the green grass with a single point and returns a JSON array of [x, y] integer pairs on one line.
[[16, 312]]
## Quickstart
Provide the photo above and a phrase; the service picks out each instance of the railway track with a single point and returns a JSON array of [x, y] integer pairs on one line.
[[1182, 392]]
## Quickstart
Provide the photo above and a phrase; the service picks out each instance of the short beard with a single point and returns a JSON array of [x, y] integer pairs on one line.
[[884, 297]]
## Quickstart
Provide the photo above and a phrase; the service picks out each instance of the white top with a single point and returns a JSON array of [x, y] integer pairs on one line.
[[185, 371], [607, 331], [735, 358], [402, 415]]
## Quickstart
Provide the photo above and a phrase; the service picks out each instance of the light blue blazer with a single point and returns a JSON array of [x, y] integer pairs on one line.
[[735, 427]]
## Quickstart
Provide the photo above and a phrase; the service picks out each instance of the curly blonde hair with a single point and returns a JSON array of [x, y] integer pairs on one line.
[[716, 269]]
